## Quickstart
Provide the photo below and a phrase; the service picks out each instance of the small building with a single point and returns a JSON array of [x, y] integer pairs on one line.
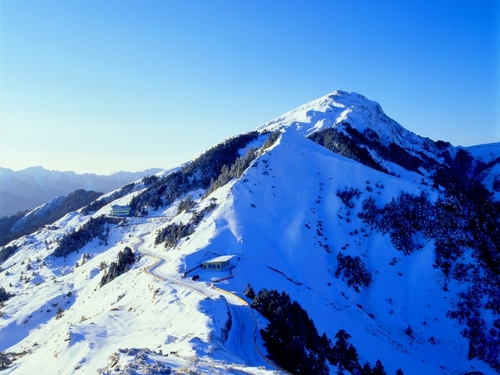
[[217, 264], [117, 210]]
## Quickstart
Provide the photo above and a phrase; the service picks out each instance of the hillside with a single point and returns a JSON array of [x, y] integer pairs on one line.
[[15, 226], [31, 187], [388, 241]]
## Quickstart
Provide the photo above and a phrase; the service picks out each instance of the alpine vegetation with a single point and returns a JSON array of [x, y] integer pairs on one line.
[[75, 240], [124, 261]]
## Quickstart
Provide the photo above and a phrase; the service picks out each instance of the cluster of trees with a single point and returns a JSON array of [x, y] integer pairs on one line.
[[347, 195], [291, 338], [5, 361], [456, 224], [236, 170], [124, 262], [353, 271], [98, 204], [74, 201], [172, 233], [406, 215], [483, 341], [240, 165], [349, 142], [74, 241], [6, 224], [211, 170], [4, 295], [482, 297], [473, 206], [271, 140], [294, 343], [149, 180], [9, 231], [6, 252], [196, 175], [209, 165], [402, 218], [186, 204], [496, 184], [463, 218]]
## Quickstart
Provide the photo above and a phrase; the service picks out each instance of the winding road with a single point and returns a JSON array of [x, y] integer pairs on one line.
[[242, 338]]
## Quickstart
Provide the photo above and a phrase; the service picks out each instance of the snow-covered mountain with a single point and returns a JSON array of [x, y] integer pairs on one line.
[[15, 226], [29, 188], [387, 240]]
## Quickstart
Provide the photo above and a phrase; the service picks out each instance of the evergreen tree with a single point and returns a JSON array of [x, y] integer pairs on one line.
[[344, 352], [249, 292], [4, 295], [366, 370], [124, 262], [379, 369], [290, 337]]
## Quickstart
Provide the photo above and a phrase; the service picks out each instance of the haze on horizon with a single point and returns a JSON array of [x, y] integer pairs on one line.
[[99, 87]]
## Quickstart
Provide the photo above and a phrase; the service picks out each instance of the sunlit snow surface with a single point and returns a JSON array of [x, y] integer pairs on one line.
[[276, 220]]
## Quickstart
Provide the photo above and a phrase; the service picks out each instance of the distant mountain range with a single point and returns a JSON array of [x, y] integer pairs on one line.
[[31, 187]]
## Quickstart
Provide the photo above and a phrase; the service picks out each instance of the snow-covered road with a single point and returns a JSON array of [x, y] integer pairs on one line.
[[242, 336]]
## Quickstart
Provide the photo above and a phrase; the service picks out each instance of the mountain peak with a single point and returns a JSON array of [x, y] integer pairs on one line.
[[348, 98], [37, 169], [342, 107]]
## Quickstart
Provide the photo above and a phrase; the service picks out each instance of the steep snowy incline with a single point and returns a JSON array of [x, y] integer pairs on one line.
[[287, 224], [38, 214], [342, 107]]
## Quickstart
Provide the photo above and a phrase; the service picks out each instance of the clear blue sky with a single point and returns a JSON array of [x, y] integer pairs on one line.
[[102, 86]]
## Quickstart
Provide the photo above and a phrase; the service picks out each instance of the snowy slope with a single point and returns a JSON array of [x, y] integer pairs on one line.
[[350, 108], [38, 214], [490, 155], [285, 225]]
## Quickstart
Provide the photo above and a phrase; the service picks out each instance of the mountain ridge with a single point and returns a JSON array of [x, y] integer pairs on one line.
[[28, 188], [297, 218]]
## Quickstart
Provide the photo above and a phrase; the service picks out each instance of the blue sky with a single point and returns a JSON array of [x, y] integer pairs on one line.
[[102, 86]]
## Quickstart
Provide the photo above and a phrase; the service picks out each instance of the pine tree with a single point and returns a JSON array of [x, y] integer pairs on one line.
[[344, 352], [366, 370], [379, 369], [249, 292], [60, 312]]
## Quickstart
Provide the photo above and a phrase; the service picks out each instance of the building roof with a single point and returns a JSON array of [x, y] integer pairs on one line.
[[223, 258]]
